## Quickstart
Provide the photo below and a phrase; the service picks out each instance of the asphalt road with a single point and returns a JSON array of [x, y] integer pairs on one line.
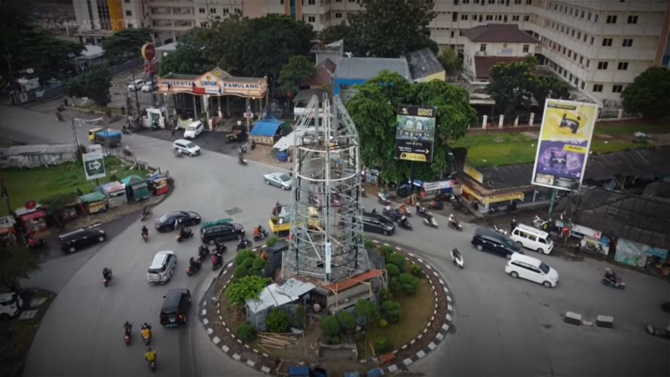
[[119, 95], [502, 327]]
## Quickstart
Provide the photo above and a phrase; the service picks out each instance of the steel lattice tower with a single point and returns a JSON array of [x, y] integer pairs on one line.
[[326, 225]]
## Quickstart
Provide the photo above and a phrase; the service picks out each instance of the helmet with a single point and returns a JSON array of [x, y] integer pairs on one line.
[[608, 270], [149, 349]]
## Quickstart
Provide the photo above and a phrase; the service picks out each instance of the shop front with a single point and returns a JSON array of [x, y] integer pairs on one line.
[[32, 217], [639, 255]]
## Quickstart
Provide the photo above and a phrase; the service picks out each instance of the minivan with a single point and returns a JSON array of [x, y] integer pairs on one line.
[[494, 242], [533, 269], [162, 267], [175, 307], [532, 238], [81, 238]]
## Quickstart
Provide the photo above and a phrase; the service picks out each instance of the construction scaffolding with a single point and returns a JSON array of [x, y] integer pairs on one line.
[[326, 180]]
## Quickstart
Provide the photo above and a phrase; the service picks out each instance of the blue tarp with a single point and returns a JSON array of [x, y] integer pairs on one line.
[[266, 128], [109, 133], [270, 116]]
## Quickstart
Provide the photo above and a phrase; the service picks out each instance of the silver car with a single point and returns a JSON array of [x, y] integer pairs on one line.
[[281, 180], [162, 267]]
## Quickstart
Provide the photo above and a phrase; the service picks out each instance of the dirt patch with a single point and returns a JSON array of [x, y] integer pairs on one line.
[[263, 154]]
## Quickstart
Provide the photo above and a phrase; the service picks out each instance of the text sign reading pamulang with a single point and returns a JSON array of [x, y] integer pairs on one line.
[[415, 133]]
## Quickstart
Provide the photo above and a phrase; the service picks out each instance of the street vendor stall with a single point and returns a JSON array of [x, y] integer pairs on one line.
[[32, 217], [7, 230], [158, 184], [136, 188], [115, 193], [93, 203]]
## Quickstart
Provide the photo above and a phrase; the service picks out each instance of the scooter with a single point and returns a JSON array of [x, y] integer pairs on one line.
[[190, 271], [145, 237], [242, 161], [147, 339], [127, 335], [217, 261], [127, 151], [657, 331], [177, 153], [403, 223], [455, 225], [618, 283], [60, 117], [244, 244], [457, 259], [146, 215], [499, 230], [108, 279], [263, 233], [539, 223], [430, 221], [152, 366], [405, 211], [383, 199], [189, 234]]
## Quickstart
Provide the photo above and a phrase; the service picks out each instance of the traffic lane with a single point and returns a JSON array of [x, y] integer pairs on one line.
[[119, 96], [208, 140]]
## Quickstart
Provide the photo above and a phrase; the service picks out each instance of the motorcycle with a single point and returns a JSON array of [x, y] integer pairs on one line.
[[217, 261], [404, 211], [393, 214], [262, 235], [242, 161], [177, 153], [127, 334], [188, 234], [220, 248], [657, 331], [190, 270], [430, 221], [60, 117], [403, 223], [617, 282], [383, 199], [499, 230], [127, 151], [243, 149], [244, 244], [455, 225], [107, 279], [152, 366], [145, 237], [539, 223], [146, 215], [60, 108], [146, 339], [495, 209], [435, 204], [457, 259]]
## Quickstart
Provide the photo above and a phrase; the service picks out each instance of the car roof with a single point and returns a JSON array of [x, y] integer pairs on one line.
[[172, 298], [160, 256], [196, 123], [74, 232], [526, 259], [182, 141], [531, 229], [6, 296]]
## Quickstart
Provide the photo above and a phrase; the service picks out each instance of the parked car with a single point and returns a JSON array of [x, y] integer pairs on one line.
[[281, 180], [533, 269], [10, 305], [162, 267], [494, 242], [149, 87], [217, 231], [167, 222], [81, 238], [376, 223], [194, 129], [135, 85], [174, 311], [532, 238], [186, 147]]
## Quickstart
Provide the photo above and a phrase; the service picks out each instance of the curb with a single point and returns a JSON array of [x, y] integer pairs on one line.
[[386, 370], [50, 99]]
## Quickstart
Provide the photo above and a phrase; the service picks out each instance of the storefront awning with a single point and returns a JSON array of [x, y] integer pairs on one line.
[[490, 199]]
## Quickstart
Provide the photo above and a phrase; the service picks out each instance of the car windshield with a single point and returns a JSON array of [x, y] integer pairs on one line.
[[191, 128], [544, 268], [163, 218], [284, 178], [510, 243], [190, 145]]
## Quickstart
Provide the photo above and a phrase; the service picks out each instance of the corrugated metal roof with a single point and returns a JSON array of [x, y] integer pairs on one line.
[[499, 33], [266, 127], [38, 149], [423, 63], [276, 296], [369, 68]]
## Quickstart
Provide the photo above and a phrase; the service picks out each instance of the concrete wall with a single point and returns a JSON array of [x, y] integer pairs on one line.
[[36, 160]]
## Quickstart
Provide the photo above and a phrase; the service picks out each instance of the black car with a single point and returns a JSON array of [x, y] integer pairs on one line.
[[494, 242], [374, 222], [80, 239], [211, 232], [175, 307], [167, 222]]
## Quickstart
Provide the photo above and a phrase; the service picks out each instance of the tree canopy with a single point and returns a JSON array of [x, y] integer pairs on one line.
[[390, 28], [450, 61], [94, 84], [335, 33], [189, 56], [374, 111], [649, 94], [297, 70], [125, 44], [16, 262]]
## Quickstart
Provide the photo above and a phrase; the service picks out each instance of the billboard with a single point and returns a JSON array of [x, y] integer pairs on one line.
[[563, 147], [94, 165], [415, 133]]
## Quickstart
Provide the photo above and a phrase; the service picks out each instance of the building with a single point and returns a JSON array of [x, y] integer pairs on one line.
[[424, 66], [492, 44], [357, 71]]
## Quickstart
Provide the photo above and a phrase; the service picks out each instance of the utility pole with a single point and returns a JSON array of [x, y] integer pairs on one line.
[[5, 193], [74, 134], [137, 98], [11, 74], [245, 115]]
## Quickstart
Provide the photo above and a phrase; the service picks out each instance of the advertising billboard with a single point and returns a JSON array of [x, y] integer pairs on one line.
[[415, 133], [563, 147]]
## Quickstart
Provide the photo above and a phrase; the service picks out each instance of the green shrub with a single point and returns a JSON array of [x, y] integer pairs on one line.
[[242, 256], [394, 285], [248, 263], [369, 245], [334, 340], [271, 241], [240, 272], [278, 321], [382, 346], [300, 317], [255, 272], [398, 260], [392, 269], [330, 329], [367, 310], [359, 336], [408, 282], [347, 322], [386, 251], [246, 332], [416, 270], [391, 311], [386, 295], [383, 323], [259, 264], [246, 288]]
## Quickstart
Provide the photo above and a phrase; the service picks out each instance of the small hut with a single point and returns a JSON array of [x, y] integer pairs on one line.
[[93, 203], [136, 188], [115, 193]]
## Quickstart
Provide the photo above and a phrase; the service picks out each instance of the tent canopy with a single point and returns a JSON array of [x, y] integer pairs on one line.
[[92, 197], [285, 142], [266, 128], [133, 180]]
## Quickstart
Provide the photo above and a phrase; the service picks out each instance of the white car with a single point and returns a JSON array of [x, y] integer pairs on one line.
[[149, 87], [281, 180], [162, 267], [194, 129], [133, 86], [186, 147], [533, 269], [10, 305]]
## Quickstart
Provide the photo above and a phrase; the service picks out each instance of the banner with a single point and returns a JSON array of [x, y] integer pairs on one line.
[[94, 165], [563, 148], [473, 173], [415, 133]]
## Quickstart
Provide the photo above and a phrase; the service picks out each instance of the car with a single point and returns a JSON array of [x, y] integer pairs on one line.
[[10, 305], [533, 239], [281, 180], [194, 129], [186, 147], [214, 231], [174, 310], [167, 222], [494, 242], [533, 269], [162, 267], [135, 85], [149, 87], [81, 238], [376, 223]]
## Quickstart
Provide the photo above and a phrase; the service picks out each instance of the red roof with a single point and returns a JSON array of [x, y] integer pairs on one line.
[[483, 64], [354, 281], [499, 33], [323, 75]]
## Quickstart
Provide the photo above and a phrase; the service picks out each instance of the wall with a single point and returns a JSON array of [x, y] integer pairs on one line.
[[635, 254], [357, 290], [472, 49], [36, 160]]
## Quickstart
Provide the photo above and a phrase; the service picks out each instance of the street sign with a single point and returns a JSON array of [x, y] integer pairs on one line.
[[149, 52], [249, 115], [94, 165]]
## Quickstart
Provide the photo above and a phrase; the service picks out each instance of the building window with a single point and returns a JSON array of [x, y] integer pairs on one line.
[[588, 63], [482, 47], [627, 43], [581, 60], [588, 18], [212, 10], [311, 19], [582, 86], [281, 2], [632, 19], [515, 18], [460, 33], [464, 17], [455, 2], [226, 10], [466, 1], [579, 35], [126, 1], [597, 88], [617, 88], [623, 66], [454, 17], [238, 11], [526, 48], [338, 15], [517, 2], [129, 13], [489, 17], [595, 18], [607, 42], [311, 2], [529, 2], [103, 15], [201, 10], [131, 26], [203, 24], [611, 19], [492, 1], [569, 54], [452, 34], [602, 65], [526, 18]]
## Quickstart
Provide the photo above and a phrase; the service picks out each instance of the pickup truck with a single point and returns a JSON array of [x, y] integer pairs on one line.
[[281, 224]]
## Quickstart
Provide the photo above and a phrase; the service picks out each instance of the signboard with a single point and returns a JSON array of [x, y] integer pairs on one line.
[[415, 133], [474, 174], [249, 115], [563, 148], [149, 52], [94, 165]]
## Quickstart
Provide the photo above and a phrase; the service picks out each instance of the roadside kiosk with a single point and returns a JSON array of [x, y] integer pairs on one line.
[[94, 202], [115, 193], [136, 188]]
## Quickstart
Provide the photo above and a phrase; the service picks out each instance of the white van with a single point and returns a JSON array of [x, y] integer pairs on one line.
[[532, 238], [533, 269]]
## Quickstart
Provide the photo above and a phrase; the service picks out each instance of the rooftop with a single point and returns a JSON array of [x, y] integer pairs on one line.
[[354, 281], [499, 33], [275, 296], [368, 68], [330, 47], [304, 96], [323, 75], [423, 63]]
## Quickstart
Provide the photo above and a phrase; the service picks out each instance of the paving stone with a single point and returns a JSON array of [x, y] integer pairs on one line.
[[420, 354], [216, 340], [408, 361], [251, 363], [265, 370], [573, 318], [392, 368], [225, 348], [432, 346], [37, 302], [237, 357], [28, 314], [605, 321]]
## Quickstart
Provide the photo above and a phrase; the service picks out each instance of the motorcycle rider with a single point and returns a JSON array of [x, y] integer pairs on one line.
[[107, 273], [145, 211], [128, 328], [150, 355], [402, 208], [146, 331], [610, 275], [184, 232], [388, 208], [243, 243], [240, 159], [456, 253], [193, 263], [203, 251], [145, 231], [420, 209], [452, 219]]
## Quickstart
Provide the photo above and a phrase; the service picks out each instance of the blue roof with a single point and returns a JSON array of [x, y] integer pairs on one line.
[[109, 133], [266, 127]]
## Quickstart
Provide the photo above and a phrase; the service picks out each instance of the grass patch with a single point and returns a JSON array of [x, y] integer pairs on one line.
[[416, 311], [231, 315], [498, 149], [631, 129], [36, 184]]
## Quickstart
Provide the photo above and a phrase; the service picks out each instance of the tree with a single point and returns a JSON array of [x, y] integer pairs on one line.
[[392, 269], [298, 69], [16, 262], [330, 330], [391, 311], [649, 94], [94, 84], [248, 288], [390, 28], [246, 332], [550, 87], [347, 321], [450, 60], [398, 260], [367, 310], [408, 282], [512, 87], [56, 203], [189, 58], [374, 111], [125, 44], [278, 321], [335, 33]]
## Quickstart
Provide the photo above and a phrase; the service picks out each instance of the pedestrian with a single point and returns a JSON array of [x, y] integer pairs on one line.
[[174, 130], [577, 247], [512, 226]]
